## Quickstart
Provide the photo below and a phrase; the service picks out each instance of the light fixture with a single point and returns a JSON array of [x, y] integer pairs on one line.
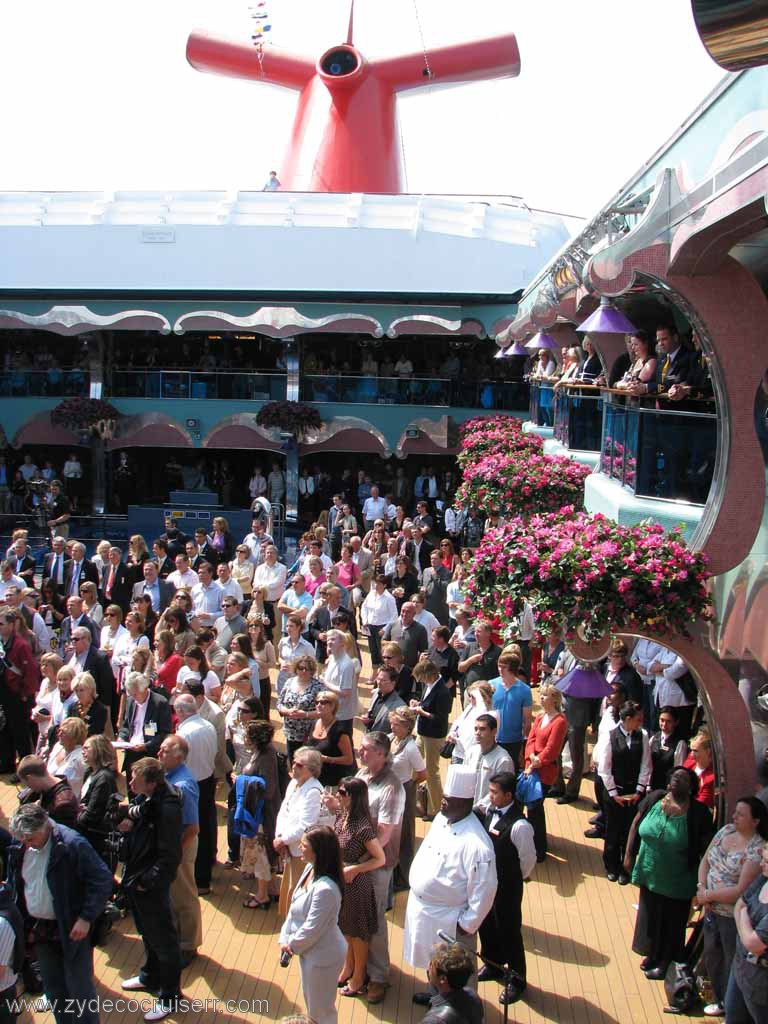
[[583, 681], [518, 349], [543, 340], [607, 320]]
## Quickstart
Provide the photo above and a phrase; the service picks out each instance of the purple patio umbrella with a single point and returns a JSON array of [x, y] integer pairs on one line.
[[584, 682], [607, 319]]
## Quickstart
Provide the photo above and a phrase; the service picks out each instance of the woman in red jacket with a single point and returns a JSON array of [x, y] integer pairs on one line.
[[700, 761], [542, 753]]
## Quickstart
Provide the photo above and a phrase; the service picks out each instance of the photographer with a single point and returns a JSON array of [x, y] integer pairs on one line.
[[151, 850]]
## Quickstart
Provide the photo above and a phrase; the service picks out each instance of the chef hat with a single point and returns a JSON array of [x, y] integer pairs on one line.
[[461, 782]]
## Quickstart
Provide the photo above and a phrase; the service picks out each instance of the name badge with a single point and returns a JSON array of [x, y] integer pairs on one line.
[[150, 729], [494, 832]]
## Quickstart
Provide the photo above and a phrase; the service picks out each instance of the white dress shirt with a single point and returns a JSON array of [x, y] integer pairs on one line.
[[299, 811], [37, 892], [203, 746], [272, 578], [184, 580], [521, 834], [378, 609], [206, 602]]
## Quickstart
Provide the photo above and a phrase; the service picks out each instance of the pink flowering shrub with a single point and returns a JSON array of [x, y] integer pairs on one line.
[[521, 484], [487, 435], [586, 570]]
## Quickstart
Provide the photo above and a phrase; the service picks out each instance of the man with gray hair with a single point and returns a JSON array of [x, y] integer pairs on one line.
[[201, 761], [340, 677], [80, 570], [146, 723], [63, 885]]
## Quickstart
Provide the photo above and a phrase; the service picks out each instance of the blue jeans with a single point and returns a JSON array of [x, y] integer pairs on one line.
[[740, 1006]]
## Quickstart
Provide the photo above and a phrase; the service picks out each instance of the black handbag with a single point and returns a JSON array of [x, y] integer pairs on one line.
[[680, 988], [447, 749]]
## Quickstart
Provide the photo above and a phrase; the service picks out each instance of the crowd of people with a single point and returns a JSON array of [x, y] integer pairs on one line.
[[164, 672]]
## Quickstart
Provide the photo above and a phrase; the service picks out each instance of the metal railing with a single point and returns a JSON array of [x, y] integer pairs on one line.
[[43, 383], [430, 391], [199, 384], [659, 453], [578, 417]]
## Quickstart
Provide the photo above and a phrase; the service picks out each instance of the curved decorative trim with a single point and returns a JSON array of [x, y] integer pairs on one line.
[[341, 423], [436, 431], [128, 427], [277, 322], [70, 320], [43, 432], [244, 420], [423, 324]]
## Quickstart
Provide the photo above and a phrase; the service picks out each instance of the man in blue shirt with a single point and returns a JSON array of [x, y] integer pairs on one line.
[[184, 899], [295, 600], [513, 700]]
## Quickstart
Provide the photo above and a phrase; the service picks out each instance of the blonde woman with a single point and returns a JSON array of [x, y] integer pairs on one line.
[[101, 558], [409, 766], [242, 569], [298, 812], [66, 758], [138, 554], [542, 754], [91, 606]]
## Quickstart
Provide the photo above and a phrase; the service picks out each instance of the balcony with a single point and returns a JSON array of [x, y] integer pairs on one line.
[[199, 385], [431, 392], [53, 383], [540, 413], [660, 453]]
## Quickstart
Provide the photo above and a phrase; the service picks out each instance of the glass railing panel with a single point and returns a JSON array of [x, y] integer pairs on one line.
[[52, 383], [675, 454]]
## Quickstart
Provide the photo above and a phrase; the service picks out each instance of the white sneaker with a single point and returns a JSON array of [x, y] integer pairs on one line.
[[159, 1011], [714, 1010], [133, 985]]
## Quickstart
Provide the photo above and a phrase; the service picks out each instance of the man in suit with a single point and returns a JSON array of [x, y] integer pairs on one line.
[[418, 550], [76, 618], [675, 366], [174, 539], [324, 617], [147, 721], [160, 591], [25, 563], [116, 582], [80, 570], [363, 559], [433, 710], [384, 699], [163, 561], [57, 564], [392, 656], [501, 933]]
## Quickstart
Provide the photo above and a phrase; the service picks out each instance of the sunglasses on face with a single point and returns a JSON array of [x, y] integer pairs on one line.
[[341, 792]]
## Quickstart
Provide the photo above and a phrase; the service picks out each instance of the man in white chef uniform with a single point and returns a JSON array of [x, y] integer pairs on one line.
[[452, 878]]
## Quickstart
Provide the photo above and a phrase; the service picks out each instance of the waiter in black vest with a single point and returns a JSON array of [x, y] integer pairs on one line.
[[501, 934], [625, 770]]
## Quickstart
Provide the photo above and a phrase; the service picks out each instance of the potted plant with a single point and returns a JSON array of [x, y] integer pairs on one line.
[[294, 418]]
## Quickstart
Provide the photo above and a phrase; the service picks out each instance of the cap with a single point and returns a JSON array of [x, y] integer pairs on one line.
[[460, 782]]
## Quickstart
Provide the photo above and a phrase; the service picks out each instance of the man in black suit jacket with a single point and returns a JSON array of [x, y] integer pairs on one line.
[[77, 618], [675, 366], [56, 565], [100, 667], [162, 559], [116, 582], [501, 934], [160, 590], [23, 563], [80, 570], [157, 724], [419, 550], [433, 710]]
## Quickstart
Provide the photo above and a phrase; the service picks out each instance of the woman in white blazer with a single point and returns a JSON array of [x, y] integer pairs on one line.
[[311, 930], [298, 812]]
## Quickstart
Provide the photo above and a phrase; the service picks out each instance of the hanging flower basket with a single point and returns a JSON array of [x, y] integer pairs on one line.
[[523, 483], [86, 414], [294, 418], [590, 576]]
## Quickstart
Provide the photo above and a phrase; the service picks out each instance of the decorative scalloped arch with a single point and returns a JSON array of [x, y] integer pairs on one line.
[[235, 432], [69, 320], [278, 322], [337, 426]]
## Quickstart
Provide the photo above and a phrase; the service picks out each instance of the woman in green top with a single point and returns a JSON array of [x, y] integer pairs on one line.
[[668, 838]]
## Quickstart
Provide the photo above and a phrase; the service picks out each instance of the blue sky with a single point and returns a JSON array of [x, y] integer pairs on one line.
[[99, 95]]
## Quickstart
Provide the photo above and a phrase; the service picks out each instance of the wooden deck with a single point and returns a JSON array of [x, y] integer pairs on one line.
[[578, 929]]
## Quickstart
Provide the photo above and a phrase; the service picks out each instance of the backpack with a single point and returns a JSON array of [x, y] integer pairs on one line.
[[283, 775], [247, 819]]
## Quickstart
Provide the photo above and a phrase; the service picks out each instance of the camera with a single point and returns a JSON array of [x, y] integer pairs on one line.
[[285, 958]]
